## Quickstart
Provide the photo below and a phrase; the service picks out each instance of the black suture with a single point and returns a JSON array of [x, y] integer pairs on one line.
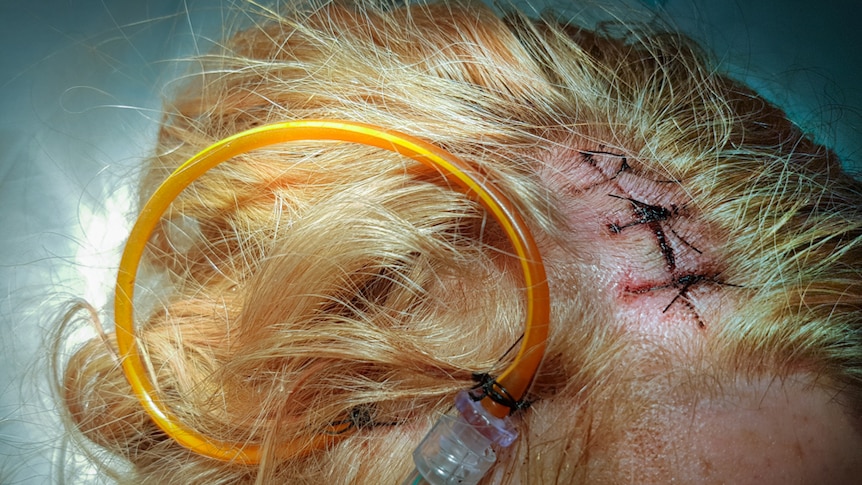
[[687, 281], [647, 213], [684, 284], [682, 239], [359, 417], [653, 216], [495, 391], [589, 157]]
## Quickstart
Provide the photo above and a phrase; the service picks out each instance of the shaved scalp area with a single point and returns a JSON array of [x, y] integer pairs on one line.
[[643, 247]]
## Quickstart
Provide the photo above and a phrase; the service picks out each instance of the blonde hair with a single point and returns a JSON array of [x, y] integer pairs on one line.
[[312, 283]]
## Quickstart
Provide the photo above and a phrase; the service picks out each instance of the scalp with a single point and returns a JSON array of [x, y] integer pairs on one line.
[[696, 244]]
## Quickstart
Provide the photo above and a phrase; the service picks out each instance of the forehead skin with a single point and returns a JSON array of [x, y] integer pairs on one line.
[[772, 433]]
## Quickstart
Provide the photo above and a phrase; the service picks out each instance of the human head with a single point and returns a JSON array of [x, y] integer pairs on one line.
[[703, 257]]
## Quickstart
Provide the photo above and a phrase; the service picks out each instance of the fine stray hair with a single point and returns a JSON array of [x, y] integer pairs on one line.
[[313, 284]]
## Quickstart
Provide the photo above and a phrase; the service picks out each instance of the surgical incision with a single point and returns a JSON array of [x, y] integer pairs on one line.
[[648, 237]]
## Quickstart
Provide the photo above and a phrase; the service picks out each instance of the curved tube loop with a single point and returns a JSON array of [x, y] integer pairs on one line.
[[516, 379]]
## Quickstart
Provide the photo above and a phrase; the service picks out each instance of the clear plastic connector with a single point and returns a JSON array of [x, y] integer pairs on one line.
[[458, 449]]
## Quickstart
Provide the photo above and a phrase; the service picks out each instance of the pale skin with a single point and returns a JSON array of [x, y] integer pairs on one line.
[[789, 432], [758, 433], [639, 254]]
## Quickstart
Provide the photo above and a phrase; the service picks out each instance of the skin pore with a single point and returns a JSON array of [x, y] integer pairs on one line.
[[650, 267]]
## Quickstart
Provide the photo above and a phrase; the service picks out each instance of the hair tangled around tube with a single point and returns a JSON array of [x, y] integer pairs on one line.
[[320, 284], [500, 396]]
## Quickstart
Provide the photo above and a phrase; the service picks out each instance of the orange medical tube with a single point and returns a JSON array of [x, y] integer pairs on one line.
[[516, 379]]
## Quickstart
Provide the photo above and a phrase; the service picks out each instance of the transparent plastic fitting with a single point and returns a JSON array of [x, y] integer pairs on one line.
[[458, 449]]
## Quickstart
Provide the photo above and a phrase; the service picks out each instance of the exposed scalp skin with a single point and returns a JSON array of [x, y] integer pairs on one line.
[[704, 258]]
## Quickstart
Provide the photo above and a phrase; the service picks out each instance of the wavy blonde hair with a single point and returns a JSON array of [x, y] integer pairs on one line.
[[309, 283]]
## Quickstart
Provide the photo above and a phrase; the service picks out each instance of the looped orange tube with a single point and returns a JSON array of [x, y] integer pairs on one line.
[[516, 379]]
